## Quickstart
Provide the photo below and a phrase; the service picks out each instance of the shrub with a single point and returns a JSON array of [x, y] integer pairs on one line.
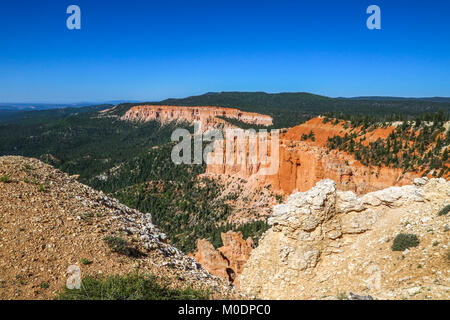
[[115, 243], [342, 296], [121, 246], [86, 216], [444, 210], [86, 261], [404, 241], [27, 167], [279, 198], [5, 179], [130, 287], [44, 285]]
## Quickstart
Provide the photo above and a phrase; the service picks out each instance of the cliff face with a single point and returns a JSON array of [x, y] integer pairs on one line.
[[326, 243], [303, 163], [228, 261], [207, 115]]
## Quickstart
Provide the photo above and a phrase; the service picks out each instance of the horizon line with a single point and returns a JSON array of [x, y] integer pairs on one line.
[[119, 101]]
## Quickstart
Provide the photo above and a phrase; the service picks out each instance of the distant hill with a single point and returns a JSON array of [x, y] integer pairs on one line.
[[16, 106], [252, 99], [17, 111], [39, 106], [23, 115], [291, 108], [428, 99]]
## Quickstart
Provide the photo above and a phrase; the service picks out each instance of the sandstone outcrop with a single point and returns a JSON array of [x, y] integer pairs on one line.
[[228, 261], [324, 243], [207, 115]]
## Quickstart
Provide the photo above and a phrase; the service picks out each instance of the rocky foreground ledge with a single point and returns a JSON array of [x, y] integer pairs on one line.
[[326, 244], [50, 221]]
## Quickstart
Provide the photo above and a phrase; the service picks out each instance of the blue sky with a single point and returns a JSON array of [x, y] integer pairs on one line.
[[151, 50]]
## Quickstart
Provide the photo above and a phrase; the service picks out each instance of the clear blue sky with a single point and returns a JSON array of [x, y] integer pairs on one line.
[[150, 50]]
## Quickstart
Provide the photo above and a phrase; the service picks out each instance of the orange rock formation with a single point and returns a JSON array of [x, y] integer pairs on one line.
[[228, 261], [207, 115], [303, 163]]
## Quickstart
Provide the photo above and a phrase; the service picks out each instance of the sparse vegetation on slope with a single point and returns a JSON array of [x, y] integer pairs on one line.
[[420, 146], [44, 233]]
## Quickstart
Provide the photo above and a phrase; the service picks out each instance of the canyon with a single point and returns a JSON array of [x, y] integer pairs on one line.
[[323, 226], [303, 163]]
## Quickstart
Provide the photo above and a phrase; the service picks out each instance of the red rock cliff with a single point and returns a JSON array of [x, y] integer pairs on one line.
[[303, 163], [207, 115]]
